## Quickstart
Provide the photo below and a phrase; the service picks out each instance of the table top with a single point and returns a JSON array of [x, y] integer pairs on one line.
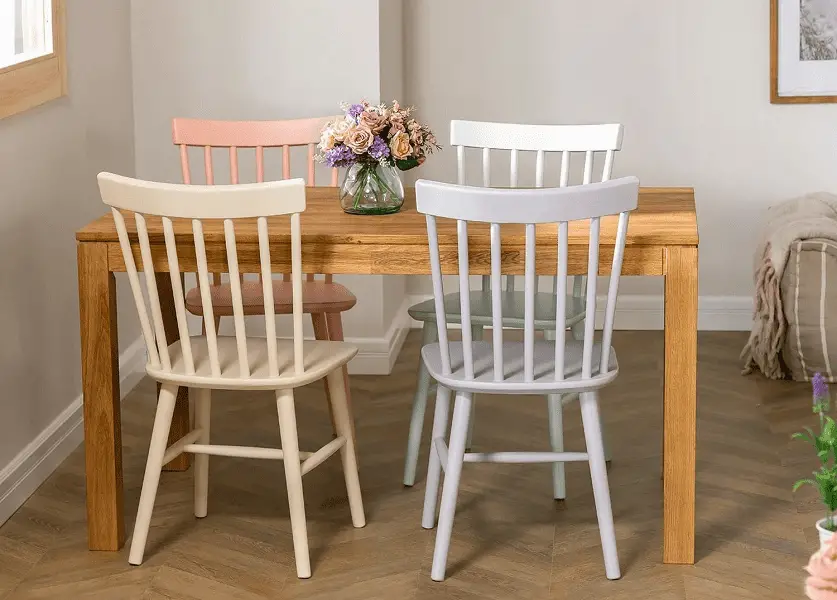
[[664, 217]]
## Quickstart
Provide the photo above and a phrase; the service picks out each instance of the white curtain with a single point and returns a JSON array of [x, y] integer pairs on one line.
[[36, 26], [8, 20]]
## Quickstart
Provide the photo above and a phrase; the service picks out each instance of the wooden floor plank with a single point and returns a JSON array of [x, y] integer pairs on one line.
[[510, 539]]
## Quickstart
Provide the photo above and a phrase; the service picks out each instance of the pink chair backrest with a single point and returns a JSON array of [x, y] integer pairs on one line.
[[210, 134]]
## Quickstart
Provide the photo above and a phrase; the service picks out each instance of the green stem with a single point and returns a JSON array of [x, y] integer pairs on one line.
[[381, 182], [368, 173], [361, 177]]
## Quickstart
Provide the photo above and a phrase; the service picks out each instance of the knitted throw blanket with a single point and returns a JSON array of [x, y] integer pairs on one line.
[[811, 216]]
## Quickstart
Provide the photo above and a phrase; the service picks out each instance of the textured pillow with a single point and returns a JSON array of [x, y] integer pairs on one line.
[[809, 298]]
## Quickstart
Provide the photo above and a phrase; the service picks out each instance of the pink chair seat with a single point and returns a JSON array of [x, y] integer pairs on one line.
[[317, 297]]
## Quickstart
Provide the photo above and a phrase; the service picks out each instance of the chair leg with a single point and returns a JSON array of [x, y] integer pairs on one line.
[[318, 320], [335, 334], [434, 466], [578, 330], [293, 478], [556, 440], [447, 509], [477, 336], [203, 403], [153, 467], [428, 336], [608, 454], [598, 473], [555, 407], [343, 417]]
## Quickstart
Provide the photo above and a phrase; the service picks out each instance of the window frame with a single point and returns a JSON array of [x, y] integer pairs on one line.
[[38, 80]]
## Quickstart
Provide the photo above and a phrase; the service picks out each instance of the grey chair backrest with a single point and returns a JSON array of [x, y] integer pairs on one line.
[[527, 207]]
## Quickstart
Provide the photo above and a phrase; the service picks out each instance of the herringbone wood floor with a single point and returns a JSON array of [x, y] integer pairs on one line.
[[510, 539]]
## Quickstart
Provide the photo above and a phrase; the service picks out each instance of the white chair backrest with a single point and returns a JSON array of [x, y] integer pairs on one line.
[[541, 139], [527, 207], [198, 203]]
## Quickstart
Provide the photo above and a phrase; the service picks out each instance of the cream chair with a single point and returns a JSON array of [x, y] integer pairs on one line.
[[206, 362]]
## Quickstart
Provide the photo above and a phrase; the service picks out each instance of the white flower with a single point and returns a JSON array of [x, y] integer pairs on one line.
[[327, 139], [340, 128]]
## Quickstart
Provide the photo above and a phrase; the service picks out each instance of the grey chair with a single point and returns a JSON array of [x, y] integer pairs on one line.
[[534, 366], [540, 139]]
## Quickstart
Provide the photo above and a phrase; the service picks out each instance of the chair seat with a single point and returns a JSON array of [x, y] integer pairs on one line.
[[544, 372], [319, 359], [513, 311], [317, 297]]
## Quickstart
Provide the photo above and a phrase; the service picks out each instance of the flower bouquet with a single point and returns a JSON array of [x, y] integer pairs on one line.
[[825, 444], [372, 142]]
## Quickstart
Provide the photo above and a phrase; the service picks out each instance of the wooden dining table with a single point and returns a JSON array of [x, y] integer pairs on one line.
[[662, 240]]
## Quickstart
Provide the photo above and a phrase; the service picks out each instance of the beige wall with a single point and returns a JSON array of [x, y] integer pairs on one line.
[[689, 80], [49, 157]]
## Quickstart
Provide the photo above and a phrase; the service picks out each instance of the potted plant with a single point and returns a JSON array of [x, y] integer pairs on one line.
[[374, 143], [825, 443]]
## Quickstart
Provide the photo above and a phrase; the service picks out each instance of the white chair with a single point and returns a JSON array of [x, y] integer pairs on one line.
[[533, 366], [568, 140], [207, 362]]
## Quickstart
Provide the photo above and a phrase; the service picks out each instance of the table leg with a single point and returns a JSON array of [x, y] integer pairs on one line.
[[679, 405], [181, 422], [335, 333], [100, 388]]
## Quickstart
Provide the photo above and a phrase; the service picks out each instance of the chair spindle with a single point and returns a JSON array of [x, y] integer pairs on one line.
[[237, 299], [206, 298], [465, 299], [151, 286], [177, 296]]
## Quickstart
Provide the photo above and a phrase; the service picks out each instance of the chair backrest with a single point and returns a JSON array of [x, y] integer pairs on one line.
[[527, 207], [198, 203], [568, 140], [208, 134]]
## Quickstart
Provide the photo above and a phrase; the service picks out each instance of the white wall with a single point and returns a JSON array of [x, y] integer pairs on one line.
[[49, 158], [265, 59], [689, 80]]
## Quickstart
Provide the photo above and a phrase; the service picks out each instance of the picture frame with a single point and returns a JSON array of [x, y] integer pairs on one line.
[[803, 51]]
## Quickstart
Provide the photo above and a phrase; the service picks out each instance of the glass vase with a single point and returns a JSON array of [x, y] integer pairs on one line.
[[372, 189]]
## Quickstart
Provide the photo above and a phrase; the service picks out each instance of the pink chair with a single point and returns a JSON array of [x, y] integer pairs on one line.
[[323, 299]]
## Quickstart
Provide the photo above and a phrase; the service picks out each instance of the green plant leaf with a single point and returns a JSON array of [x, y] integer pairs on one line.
[[829, 431], [406, 164], [802, 482]]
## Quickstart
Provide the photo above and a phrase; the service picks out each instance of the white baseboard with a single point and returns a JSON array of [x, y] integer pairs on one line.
[[376, 356], [636, 312], [31, 467]]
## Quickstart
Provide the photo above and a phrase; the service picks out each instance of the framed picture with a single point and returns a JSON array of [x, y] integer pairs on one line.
[[803, 49]]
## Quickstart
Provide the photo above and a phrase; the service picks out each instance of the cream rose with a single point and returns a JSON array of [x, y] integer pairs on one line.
[[340, 128], [327, 140], [374, 120], [359, 138], [400, 146]]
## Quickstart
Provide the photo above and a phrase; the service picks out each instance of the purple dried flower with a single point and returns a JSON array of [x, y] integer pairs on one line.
[[820, 387], [340, 156], [379, 148], [355, 110]]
